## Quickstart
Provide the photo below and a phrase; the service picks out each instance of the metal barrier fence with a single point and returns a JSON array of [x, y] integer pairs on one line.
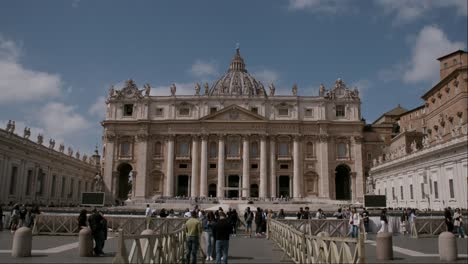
[[67, 224], [303, 248], [429, 226]]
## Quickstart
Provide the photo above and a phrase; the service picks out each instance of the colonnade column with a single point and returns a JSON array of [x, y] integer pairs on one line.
[[359, 190], [263, 167], [221, 182], [297, 179], [109, 177], [170, 167], [273, 167], [204, 169], [195, 179], [324, 177], [140, 183], [245, 167]]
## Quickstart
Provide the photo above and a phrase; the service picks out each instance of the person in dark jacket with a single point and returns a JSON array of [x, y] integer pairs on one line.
[[221, 231], [448, 219], [82, 223], [1, 218], [233, 221], [97, 229]]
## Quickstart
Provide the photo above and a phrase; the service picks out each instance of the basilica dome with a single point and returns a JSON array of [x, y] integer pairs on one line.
[[237, 81]]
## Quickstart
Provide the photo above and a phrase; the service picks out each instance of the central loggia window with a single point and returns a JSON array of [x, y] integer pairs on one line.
[[340, 111], [283, 149], [128, 109]]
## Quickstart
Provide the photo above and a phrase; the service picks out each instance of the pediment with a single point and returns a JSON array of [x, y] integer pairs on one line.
[[233, 113]]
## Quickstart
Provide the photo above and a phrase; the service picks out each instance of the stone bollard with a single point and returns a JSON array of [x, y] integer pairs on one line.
[[384, 248], [22, 243], [447, 246], [85, 239]]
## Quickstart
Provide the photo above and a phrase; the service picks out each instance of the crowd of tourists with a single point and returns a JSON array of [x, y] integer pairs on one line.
[[454, 221], [21, 215]]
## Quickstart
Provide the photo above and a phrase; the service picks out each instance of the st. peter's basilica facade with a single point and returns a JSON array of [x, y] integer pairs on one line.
[[233, 138]]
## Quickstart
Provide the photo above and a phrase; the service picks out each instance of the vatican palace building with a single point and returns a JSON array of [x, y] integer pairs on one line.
[[233, 138]]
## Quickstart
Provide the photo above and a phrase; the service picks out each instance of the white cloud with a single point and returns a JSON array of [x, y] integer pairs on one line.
[[431, 43], [203, 69], [18, 84], [266, 76], [60, 120], [321, 6], [99, 107], [409, 10], [181, 89]]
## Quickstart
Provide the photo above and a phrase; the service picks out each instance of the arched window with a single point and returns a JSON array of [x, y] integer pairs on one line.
[[213, 149], [157, 149], [342, 150], [310, 150], [254, 149]]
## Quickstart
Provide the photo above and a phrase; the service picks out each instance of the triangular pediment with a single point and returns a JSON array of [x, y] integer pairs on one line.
[[233, 113]]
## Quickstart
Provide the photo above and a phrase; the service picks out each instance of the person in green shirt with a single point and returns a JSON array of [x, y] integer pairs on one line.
[[194, 230]]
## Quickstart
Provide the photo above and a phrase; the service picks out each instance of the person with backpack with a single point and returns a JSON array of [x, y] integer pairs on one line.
[[248, 218], [95, 221]]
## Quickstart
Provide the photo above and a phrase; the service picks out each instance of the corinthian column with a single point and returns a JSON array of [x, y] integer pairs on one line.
[[245, 168], [272, 167], [358, 194], [195, 179], [324, 173], [170, 167], [263, 167], [297, 179], [221, 184], [204, 169]]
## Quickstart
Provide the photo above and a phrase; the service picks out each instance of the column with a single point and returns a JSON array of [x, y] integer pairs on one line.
[[246, 167], [221, 184], [324, 170], [141, 176], [273, 192], [108, 177], [358, 194], [263, 168], [204, 168], [195, 182], [170, 167], [297, 179]]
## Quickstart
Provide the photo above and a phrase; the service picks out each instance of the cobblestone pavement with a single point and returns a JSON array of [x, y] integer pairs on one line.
[[64, 249]]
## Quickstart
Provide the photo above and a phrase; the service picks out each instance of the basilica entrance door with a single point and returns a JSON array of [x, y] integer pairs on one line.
[[283, 186], [343, 182], [124, 185], [212, 190], [182, 185], [254, 190], [233, 181]]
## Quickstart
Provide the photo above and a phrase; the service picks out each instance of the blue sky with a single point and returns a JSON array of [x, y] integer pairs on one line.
[[58, 58]]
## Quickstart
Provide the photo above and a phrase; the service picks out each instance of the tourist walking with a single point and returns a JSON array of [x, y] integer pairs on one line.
[[14, 218], [163, 213], [458, 223], [383, 221], [233, 221], [365, 219], [306, 213], [248, 218], [403, 221], [354, 221], [448, 220], [32, 214], [221, 232], [208, 223], [22, 214], [258, 222], [299, 214], [96, 224], [82, 219], [320, 214], [281, 214], [148, 214], [194, 230]]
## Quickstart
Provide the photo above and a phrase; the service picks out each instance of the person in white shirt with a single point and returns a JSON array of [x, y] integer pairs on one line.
[[148, 214], [354, 221]]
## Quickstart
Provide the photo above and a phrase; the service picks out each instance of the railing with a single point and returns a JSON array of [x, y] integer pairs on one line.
[[158, 248], [302, 248], [423, 226], [67, 224], [334, 227]]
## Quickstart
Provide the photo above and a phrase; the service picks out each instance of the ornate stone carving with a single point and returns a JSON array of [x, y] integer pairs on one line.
[[197, 89], [51, 143], [207, 88], [10, 128], [358, 139], [140, 137], [425, 142], [70, 151], [111, 91], [61, 147], [323, 138], [147, 89], [322, 90], [110, 137], [40, 139], [85, 158], [26, 132], [173, 89], [272, 89], [234, 114], [77, 155], [294, 90], [98, 183], [414, 147]]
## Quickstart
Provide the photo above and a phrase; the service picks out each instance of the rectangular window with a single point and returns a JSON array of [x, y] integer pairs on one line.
[[212, 165], [254, 166], [183, 166], [283, 111], [430, 186], [184, 111], [14, 172], [62, 191], [422, 190], [29, 182], [52, 188], [128, 109], [340, 111], [411, 191], [401, 193], [184, 149], [393, 193], [436, 190], [284, 166], [159, 111], [452, 192], [213, 110], [283, 149], [254, 110], [125, 149], [309, 112], [40, 182]]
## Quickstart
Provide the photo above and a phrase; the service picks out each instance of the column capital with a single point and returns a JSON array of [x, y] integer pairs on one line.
[[297, 137], [204, 136], [110, 136], [142, 137], [246, 137], [169, 137], [324, 138], [357, 139], [196, 136], [263, 136]]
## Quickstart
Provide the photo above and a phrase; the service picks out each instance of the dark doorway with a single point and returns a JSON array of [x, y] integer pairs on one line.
[[212, 190], [254, 190], [233, 181], [182, 185], [283, 186], [124, 185], [343, 182]]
